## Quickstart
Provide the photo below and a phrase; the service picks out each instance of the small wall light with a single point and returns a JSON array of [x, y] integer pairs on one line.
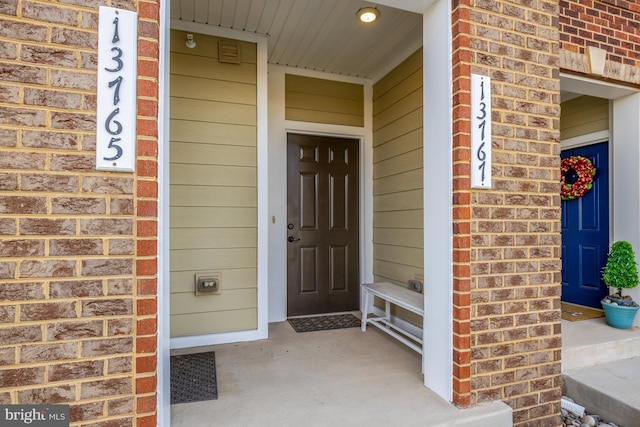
[[368, 14], [190, 43]]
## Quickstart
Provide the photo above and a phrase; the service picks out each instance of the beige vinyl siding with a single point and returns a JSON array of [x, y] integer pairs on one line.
[[583, 115], [314, 100], [213, 174], [398, 248]]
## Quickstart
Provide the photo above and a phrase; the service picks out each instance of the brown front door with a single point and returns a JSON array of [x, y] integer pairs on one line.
[[322, 215]]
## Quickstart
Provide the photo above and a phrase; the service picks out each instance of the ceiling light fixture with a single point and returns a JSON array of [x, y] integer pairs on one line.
[[368, 14], [190, 43]]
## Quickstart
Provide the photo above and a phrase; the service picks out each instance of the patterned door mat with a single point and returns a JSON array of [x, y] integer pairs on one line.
[[573, 313], [193, 377], [324, 323]]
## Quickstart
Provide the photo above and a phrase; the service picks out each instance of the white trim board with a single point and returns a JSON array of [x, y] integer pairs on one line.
[[213, 339], [263, 188], [588, 139], [625, 176], [196, 27], [164, 291], [437, 361], [593, 87], [319, 75]]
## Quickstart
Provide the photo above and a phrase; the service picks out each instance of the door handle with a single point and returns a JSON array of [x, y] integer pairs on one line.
[[292, 239]]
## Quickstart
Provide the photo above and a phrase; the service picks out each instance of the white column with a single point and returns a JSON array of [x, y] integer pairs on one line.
[[264, 222], [366, 186], [278, 197], [625, 177], [438, 273], [164, 292]]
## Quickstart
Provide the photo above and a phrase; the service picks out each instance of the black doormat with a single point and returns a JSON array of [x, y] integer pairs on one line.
[[324, 323], [193, 377]]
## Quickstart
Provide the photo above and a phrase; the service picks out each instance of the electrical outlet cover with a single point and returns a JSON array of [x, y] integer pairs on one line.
[[207, 283]]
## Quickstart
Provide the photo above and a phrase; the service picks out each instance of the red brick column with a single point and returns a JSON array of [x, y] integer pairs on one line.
[[147, 215], [461, 205], [507, 239]]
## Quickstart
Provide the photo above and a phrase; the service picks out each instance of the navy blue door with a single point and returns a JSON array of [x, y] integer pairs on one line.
[[585, 233]]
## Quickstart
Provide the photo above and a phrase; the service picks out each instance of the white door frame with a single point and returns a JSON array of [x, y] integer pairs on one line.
[[278, 129], [624, 155]]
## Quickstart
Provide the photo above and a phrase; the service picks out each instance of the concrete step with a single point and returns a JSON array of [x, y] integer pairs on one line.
[[609, 390], [494, 414], [593, 342]]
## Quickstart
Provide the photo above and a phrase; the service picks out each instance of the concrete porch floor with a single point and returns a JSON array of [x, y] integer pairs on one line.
[[348, 378], [332, 378]]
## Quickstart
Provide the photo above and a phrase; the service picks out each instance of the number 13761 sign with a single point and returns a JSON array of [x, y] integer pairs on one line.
[[117, 69], [480, 131]]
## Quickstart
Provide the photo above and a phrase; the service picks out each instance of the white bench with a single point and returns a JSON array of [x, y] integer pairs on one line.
[[397, 295]]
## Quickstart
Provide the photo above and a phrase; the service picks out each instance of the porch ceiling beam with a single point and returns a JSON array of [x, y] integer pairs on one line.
[[598, 88]]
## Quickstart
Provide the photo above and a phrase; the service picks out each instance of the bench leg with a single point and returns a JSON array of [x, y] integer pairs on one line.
[[365, 310]]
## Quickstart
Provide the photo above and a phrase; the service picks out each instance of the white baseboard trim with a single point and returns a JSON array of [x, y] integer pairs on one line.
[[213, 339]]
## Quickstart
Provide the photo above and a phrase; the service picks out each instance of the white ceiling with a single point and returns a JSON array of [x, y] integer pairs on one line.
[[321, 35]]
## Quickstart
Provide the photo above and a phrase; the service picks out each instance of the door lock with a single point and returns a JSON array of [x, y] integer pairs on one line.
[[292, 239]]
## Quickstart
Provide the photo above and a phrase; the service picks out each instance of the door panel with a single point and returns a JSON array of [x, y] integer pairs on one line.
[[338, 268], [585, 233], [338, 218], [308, 271], [322, 210], [308, 202]]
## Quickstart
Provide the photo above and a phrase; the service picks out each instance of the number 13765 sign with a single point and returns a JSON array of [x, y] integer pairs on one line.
[[117, 69]]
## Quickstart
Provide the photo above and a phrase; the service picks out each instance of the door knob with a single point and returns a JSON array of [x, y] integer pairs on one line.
[[292, 239]]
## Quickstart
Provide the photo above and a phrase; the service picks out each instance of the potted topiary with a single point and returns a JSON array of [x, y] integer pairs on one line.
[[620, 272]]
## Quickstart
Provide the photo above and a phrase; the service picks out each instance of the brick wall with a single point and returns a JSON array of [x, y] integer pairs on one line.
[[612, 25], [507, 240], [77, 246]]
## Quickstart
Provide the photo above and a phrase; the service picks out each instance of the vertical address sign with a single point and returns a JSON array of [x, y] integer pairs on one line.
[[117, 69], [480, 131]]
